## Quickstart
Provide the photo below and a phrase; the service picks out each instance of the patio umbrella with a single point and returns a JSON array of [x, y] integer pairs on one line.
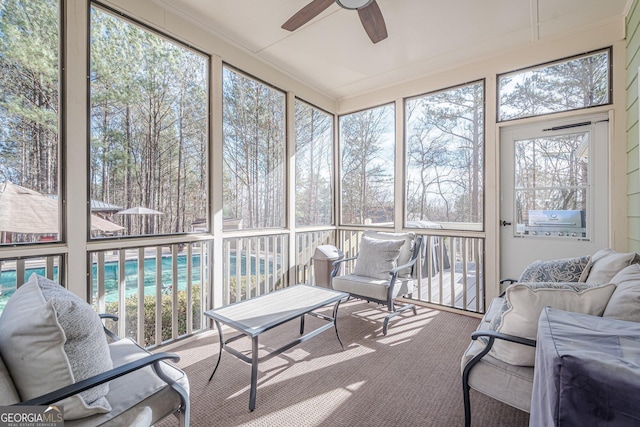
[[139, 210], [101, 224], [26, 211]]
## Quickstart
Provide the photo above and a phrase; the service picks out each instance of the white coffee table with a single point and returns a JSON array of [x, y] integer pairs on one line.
[[257, 315]]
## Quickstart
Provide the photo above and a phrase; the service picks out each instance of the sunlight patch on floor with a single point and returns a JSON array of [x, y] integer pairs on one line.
[[314, 411], [280, 369]]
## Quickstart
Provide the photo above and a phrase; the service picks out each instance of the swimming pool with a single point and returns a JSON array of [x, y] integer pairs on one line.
[[111, 274]]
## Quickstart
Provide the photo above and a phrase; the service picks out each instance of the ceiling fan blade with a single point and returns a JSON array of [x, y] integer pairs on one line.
[[306, 14], [373, 22]]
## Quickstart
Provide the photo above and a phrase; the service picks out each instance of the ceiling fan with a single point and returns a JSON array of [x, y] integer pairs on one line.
[[368, 10]]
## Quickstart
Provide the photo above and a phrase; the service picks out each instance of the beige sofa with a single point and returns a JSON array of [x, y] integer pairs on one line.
[[499, 361]]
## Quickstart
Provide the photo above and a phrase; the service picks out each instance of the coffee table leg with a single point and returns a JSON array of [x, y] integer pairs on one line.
[[254, 373], [335, 322], [302, 324], [221, 347]]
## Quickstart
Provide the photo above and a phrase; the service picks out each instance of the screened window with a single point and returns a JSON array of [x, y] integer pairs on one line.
[[254, 152], [579, 82], [367, 142], [445, 158], [29, 112], [314, 158], [149, 108]]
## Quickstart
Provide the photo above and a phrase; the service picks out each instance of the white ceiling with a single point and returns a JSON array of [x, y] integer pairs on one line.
[[333, 54]]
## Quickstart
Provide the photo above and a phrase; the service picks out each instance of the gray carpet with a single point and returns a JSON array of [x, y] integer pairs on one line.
[[411, 377]]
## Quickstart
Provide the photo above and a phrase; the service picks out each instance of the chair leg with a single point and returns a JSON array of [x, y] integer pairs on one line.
[[395, 312]]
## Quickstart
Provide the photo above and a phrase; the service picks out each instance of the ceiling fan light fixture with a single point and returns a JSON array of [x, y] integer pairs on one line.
[[353, 4]]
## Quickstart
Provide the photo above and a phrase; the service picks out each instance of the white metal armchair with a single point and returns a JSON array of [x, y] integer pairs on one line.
[[384, 271]]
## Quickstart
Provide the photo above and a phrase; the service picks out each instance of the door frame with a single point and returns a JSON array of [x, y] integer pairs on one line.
[[603, 154]]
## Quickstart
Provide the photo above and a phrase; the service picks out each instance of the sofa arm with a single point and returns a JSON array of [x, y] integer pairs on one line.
[[80, 386], [492, 335]]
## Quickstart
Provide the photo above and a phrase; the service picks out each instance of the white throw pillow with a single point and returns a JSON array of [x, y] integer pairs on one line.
[[405, 252], [624, 304], [50, 338], [605, 264], [377, 257], [525, 303]]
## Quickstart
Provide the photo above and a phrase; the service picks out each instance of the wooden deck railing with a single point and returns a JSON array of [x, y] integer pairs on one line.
[[159, 293], [253, 266], [450, 272], [15, 272]]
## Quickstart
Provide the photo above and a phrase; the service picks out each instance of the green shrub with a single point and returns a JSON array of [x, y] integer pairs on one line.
[[131, 315], [243, 288]]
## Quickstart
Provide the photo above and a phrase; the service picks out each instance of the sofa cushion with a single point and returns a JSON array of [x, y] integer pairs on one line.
[[525, 303], [624, 304], [507, 383], [557, 270], [50, 338], [377, 256], [605, 264], [405, 251]]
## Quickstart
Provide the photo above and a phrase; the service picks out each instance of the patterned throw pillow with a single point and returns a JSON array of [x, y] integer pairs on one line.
[[557, 270], [49, 338]]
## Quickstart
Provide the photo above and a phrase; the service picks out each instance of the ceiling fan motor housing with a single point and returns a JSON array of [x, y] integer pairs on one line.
[[353, 4]]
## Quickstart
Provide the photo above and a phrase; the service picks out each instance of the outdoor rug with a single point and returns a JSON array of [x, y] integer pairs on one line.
[[411, 377]]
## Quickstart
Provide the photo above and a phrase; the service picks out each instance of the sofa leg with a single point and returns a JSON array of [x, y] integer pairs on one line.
[[467, 406]]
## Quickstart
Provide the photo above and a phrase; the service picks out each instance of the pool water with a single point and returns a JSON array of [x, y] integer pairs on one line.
[[8, 277], [111, 274]]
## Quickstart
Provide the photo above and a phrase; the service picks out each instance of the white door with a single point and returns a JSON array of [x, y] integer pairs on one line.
[[553, 191]]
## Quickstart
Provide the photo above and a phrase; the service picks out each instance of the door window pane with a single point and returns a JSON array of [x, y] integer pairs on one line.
[[552, 186], [314, 159], [149, 132], [367, 142], [29, 112], [572, 84], [254, 152], [445, 152]]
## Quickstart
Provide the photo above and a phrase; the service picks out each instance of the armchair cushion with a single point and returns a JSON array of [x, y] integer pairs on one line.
[[8, 393], [377, 257], [605, 263], [371, 288], [525, 302], [50, 338], [624, 304], [557, 270], [139, 398], [405, 251]]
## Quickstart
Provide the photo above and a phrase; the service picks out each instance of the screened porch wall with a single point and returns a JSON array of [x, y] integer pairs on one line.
[[76, 254]]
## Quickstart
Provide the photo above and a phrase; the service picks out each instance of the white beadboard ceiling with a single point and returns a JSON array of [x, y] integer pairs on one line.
[[333, 54]]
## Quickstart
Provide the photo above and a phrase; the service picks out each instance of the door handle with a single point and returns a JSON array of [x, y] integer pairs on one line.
[[504, 223]]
